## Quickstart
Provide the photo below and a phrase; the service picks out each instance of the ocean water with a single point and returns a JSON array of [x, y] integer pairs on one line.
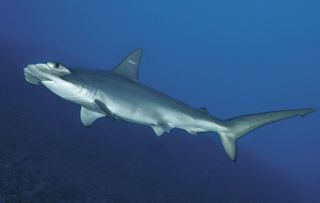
[[234, 57]]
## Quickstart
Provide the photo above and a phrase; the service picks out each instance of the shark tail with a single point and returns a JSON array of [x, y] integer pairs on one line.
[[237, 127]]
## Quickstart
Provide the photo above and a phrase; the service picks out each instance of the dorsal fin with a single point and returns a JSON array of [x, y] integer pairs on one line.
[[129, 67]]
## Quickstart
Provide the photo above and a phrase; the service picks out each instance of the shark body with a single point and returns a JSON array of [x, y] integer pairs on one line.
[[119, 94]]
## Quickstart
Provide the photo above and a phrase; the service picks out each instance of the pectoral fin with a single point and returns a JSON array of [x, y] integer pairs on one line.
[[103, 108], [88, 117]]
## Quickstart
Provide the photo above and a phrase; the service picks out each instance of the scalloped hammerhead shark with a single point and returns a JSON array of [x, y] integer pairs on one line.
[[119, 94]]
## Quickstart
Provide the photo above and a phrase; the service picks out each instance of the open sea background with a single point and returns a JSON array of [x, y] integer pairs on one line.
[[234, 57]]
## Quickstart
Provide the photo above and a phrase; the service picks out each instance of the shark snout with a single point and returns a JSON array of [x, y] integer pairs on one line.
[[30, 76], [38, 73], [35, 73]]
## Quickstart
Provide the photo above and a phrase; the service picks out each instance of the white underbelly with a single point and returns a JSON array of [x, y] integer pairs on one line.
[[134, 115], [148, 116], [70, 92]]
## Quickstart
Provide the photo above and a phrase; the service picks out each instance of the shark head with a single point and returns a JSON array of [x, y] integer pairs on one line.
[[51, 75], [54, 77], [45, 72]]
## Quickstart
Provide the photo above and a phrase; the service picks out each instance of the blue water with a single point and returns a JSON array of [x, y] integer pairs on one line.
[[234, 57]]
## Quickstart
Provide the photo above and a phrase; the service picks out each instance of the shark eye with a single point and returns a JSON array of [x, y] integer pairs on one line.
[[56, 65]]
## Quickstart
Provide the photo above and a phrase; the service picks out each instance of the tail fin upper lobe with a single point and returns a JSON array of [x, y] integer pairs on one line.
[[238, 126]]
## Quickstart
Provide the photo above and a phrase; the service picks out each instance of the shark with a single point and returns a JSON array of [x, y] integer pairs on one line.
[[119, 94]]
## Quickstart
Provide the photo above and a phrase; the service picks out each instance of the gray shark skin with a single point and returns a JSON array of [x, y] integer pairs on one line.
[[120, 95]]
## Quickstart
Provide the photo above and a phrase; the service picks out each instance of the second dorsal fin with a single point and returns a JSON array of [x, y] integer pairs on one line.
[[129, 67], [204, 109]]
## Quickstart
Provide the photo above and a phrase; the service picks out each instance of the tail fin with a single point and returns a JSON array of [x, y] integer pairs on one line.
[[238, 126]]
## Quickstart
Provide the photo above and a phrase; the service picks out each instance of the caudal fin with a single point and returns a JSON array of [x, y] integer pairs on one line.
[[238, 126]]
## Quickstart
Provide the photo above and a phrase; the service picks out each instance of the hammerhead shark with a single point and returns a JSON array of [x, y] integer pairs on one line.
[[119, 94]]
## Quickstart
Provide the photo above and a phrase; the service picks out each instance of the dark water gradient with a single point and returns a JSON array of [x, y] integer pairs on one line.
[[234, 57]]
